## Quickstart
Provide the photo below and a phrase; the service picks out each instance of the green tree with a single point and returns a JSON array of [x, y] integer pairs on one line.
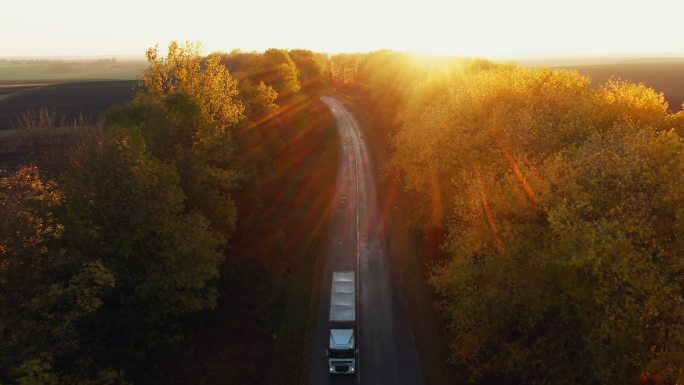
[[125, 208], [47, 292]]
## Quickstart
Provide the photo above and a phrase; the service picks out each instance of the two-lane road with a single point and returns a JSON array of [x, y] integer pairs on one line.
[[357, 242]]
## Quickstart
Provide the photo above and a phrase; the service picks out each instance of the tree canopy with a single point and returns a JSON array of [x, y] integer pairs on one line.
[[562, 210], [205, 79], [125, 247]]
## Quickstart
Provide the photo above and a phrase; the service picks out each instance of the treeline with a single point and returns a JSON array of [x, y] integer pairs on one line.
[[114, 252], [560, 210]]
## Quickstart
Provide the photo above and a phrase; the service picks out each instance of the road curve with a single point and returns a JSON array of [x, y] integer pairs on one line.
[[357, 242]]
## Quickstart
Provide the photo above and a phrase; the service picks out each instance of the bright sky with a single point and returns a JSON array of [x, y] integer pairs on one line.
[[492, 28]]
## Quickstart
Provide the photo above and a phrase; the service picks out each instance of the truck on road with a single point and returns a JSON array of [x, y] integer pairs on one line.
[[342, 350]]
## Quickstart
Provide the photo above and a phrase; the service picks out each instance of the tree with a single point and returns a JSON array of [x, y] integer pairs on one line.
[[678, 121], [47, 292], [637, 102], [125, 208], [563, 207], [276, 69], [237, 61], [617, 216], [312, 67], [344, 67], [204, 79], [259, 101], [193, 108]]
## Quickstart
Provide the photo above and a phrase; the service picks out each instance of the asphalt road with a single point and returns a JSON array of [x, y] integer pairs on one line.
[[357, 242]]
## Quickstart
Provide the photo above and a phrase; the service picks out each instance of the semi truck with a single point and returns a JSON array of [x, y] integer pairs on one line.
[[342, 350]]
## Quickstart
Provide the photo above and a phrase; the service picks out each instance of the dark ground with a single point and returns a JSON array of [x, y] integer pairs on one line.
[[68, 101], [7, 88]]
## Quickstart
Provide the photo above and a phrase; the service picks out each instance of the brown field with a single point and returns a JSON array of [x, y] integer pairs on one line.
[[7, 88], [68, 100], [45, 70]]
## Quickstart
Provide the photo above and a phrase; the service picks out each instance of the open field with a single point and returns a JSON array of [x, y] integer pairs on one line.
[[68, 101], [41, 70], [9, 88], [10, 134], [68, 89]]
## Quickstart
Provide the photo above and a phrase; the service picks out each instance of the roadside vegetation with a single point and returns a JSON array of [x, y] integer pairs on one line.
[[556, 208], [176, 239], [179, 218]]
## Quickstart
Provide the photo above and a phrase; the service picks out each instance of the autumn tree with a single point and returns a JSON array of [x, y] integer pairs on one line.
[[237, 61], [562, 209], [635, 101], [276, 69], [344, 67], [187, 109], [312, 67], [185, 70]]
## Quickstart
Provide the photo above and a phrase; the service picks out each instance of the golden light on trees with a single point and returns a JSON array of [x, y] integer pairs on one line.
[[556, 207]]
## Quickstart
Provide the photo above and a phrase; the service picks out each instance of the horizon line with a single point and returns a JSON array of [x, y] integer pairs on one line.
[[495, 57]]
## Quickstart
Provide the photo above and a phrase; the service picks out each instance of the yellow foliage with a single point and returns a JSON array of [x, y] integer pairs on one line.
[[185, 70], [565, 213], [633, 101]]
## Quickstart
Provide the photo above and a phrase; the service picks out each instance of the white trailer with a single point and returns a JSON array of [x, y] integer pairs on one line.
[[342, 349]]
